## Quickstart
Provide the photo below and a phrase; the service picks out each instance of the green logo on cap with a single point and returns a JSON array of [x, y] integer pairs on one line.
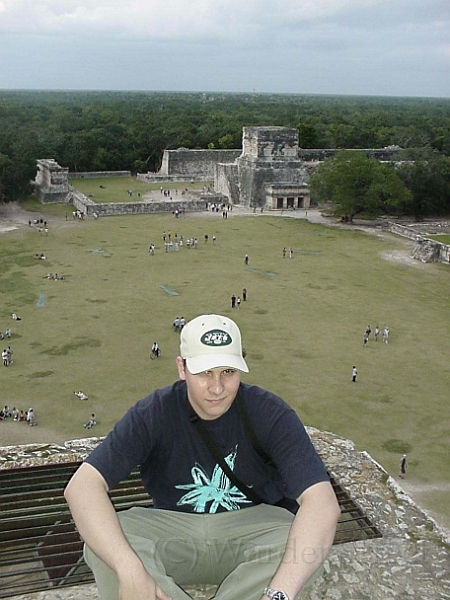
[[216, 337]]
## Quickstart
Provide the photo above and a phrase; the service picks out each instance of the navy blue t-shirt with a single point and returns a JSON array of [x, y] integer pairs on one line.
[[178, 470]]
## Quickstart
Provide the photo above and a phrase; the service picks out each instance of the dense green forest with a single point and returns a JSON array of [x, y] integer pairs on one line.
[[89, 131]]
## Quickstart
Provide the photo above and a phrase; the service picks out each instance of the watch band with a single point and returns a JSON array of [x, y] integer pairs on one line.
[[275, 594]]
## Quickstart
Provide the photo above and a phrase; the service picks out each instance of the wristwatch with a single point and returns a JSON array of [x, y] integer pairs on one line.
[[275, 594]]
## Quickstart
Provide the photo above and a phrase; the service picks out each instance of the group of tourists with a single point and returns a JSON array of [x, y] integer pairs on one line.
[[174, 242], [7, 334], [17, 414], [290, 252], [236, 300], [7, 356], [376, 334], [178, 324]]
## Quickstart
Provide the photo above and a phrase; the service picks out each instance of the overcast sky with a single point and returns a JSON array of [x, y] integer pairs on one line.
[[364, 47]]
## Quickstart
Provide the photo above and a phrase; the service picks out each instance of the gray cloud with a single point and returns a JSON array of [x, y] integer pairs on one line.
[[394, 47]]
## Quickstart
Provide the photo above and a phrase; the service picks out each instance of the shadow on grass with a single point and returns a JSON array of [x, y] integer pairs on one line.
[[82, 342], [397, 446], [39, 374]]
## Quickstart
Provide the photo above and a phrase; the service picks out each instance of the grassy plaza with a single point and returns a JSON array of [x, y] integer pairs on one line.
[[302, 326]]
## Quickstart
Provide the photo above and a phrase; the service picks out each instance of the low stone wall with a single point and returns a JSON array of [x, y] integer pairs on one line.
[[382, 154], [80, 201], [161, 178], [99, 174], [197, 200], [426, 250], [411, 560], [110, 209]]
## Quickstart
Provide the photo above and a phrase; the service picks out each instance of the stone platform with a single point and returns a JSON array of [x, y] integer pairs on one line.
[[410, 561]]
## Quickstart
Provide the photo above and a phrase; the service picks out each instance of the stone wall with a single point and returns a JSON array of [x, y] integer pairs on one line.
[[99, 174], [195, 164], [382, 154], [196, 201], [411, 560], [426, 250], [80, 201], [226, 181]]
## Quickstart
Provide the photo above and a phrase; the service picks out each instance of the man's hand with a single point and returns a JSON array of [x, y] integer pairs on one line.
[[139, 585]]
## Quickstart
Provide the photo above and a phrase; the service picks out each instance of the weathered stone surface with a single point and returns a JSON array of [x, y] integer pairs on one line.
[[410, 561]]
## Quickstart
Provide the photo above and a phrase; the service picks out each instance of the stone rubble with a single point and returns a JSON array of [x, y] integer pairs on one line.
[[411, 560]]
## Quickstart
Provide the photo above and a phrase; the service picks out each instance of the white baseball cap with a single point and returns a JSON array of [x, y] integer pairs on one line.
[[211, 341]]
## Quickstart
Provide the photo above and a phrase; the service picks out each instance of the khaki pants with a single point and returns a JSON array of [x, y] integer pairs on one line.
[[238, 550]]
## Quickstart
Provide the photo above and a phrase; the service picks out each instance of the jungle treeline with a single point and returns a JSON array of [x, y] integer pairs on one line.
[[96, 131]]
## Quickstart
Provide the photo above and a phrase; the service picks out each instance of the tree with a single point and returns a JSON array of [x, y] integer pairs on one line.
[[357, 184], [428, 179]]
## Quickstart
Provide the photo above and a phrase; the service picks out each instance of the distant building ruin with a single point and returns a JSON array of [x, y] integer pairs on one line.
[[52, 181], [270, 171]]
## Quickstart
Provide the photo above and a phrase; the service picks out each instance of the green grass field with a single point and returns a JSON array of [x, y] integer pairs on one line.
[[302, 327], [443, 238], [114, 189]]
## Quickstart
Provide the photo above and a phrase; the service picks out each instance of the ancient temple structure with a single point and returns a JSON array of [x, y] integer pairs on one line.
[[268, 173], [52, 181]]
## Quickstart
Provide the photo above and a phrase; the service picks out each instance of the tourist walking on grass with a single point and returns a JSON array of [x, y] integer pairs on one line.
[[402, 467], [354, 373], [244, 294], [5, 358], [246, 259], [386, 335], [377, 333], [31, 418]]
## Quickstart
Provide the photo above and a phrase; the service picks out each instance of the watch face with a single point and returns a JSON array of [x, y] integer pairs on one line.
[[279, 596]]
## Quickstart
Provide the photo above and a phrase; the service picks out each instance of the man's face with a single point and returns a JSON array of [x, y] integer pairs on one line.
[[210, 393]]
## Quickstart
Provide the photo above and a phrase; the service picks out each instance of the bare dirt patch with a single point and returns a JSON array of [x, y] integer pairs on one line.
[[402, 257]]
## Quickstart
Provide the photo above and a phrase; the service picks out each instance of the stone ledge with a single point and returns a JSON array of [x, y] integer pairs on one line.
[[411, 560]]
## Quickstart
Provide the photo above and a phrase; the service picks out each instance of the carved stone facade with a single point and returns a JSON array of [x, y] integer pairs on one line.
[[268, 173]]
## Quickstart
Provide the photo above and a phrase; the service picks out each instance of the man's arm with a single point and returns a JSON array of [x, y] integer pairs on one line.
[[310, 539], [98, 525]]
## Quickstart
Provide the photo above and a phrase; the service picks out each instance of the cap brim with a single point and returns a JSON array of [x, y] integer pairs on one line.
[[198, 364]]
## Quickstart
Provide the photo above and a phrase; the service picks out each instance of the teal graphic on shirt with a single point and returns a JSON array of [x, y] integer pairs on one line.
[[218, 490]]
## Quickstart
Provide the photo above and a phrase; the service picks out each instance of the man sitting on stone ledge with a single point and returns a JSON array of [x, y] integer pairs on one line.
[[221, 460]]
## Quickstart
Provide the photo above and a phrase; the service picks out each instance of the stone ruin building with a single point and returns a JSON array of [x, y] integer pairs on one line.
[[270, 171], [52, 181]]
